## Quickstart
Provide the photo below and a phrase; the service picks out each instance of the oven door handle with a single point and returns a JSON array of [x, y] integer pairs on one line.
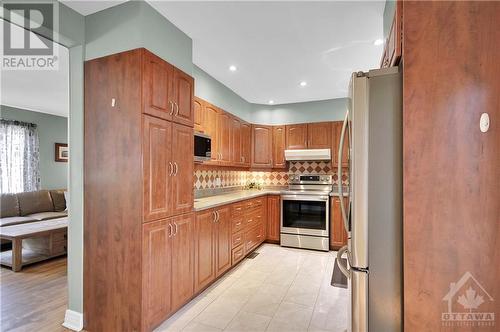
[[304, 198]]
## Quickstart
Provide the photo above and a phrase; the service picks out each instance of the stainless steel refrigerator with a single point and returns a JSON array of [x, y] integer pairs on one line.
[[373, 218]]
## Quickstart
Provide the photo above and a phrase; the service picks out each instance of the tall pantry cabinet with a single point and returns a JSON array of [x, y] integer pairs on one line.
[[138, 196]]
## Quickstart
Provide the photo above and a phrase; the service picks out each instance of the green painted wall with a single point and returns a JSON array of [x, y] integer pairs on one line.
[[51, 129], [136, 24]]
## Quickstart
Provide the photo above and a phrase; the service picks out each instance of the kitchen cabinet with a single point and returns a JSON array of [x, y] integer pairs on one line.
[[156, 267], [223, 138], [394, 43], [168, 92], [279, 144], [338, 235], [182, 169], [210, 126], [223, 240], [296, 136], [319, 135], [205, 250], [198, 115], [236, 142], [262, 146], [246, 144], [335, 148], [273, 218], [157, 145]]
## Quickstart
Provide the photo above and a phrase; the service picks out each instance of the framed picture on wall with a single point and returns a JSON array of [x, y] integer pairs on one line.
[[62, 152]]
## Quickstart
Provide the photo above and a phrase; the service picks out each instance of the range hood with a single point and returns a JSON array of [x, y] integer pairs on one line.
[[308, 155]]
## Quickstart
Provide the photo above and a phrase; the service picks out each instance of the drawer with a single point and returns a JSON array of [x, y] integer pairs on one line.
[[237, 254], [255, 203], [238, 209], [237, 225], [254, 219], [253, 237], [237, 239]]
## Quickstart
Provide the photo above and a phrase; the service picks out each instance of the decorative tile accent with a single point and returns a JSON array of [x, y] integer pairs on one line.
[[206, 179]]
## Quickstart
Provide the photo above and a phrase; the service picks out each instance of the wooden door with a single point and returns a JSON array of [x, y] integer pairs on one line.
[[157, 168], [156, 272], [246, 144], [236, 155], [335, 148], [198, 115], [205, 249], [210, 126], [319, 135], [338, 235], [224, 137], [273, 218], [296, 136], [279, 145], [224, 240], [451, 169], [156, 86], [182, 259], [182, 169], [262, 146], [183, 96]]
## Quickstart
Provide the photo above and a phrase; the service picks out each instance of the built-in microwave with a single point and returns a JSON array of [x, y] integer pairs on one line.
[[202, 147]]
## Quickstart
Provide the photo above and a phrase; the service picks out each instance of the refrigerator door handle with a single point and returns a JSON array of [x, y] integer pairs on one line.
[[339, 172], [343, 268]]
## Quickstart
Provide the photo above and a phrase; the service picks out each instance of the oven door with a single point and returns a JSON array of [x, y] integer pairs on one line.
[[305, 215]]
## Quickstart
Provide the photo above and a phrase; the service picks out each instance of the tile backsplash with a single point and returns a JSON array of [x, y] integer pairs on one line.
[[207, 178]]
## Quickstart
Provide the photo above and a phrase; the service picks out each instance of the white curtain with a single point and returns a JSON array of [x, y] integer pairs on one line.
[[19, 157]]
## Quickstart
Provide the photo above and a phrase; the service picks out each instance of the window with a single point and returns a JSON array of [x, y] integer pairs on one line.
[[19, 157]]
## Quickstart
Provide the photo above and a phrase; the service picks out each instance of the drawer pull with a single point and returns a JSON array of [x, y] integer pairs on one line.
[[258, 236], [238, 224], [238, 239], [250, 220]]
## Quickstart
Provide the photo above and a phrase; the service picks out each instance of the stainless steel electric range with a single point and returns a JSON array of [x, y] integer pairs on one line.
[[305, 212]]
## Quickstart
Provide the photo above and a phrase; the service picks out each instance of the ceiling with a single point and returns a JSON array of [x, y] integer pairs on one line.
[[276, 45], [45, 91]]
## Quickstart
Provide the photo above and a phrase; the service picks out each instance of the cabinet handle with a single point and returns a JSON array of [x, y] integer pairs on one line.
[[176, 228], [215, 216], [249, 220], [171, 107], [176, 168], [238, 224], [238, 239], [170, 230], [176, 109], [171, 168]]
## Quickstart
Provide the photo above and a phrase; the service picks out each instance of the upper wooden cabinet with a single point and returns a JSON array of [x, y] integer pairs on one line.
[[262, 146], [279, 145], [224, 138], [168, 92], [296, 136], [336, 144], [394, 42], [319, 135], [182, 169], [236, 151], [198, 115], [246, 143], [210, 128]]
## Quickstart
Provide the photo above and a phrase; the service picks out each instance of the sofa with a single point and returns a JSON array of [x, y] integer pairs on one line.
[[32, 206]]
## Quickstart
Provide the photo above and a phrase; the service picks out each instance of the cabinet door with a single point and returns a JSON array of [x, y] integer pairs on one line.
[[338, 235], [236, 155], [224, 137], [224, 240], [273, 218], [183, 169], [204, 257], [183, 95], [198, 115], [279, 144], [182, 259], [262, 146], [246, 143], [296, 136], [345, 149], [156, 86], [156, 271], [319, 135], [157, 167], [210, 125]]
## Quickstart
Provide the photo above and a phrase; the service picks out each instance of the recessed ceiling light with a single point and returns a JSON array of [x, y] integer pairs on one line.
[[232, 68], [378, 42], [303, 83], [271, 102]]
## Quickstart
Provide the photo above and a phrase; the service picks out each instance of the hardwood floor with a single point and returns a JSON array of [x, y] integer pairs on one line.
[[35, 298]]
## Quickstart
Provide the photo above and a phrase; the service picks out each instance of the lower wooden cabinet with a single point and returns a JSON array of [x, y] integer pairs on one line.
[[223, 239], [338, 235], [273, 218], [204, 249]]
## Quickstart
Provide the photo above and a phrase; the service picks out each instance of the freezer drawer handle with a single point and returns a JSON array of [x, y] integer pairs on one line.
[[343, 268]]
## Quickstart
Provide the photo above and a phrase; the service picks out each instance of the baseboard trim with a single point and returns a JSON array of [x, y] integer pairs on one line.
[[73, 320]]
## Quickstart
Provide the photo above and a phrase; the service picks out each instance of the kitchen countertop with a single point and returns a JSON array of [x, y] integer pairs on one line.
[[228, 198]]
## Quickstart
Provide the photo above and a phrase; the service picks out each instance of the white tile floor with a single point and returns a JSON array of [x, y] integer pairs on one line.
[[281, 289]]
